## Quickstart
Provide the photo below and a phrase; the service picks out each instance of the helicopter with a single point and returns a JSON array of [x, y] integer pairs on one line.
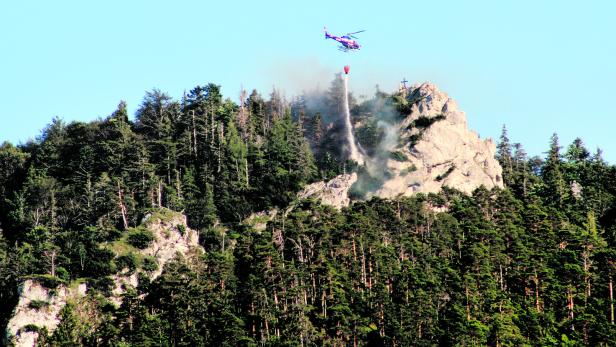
[[347, 41]]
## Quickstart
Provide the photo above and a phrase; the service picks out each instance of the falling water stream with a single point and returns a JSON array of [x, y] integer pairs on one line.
[[355, 154]]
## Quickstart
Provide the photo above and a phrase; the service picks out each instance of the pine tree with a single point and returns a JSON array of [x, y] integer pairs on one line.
[[504, 157], [556, 187]]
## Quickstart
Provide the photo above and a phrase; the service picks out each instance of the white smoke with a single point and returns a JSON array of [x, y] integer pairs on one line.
[[355, 154]]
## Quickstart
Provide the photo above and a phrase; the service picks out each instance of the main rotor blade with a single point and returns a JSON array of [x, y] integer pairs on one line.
[[357, 32]]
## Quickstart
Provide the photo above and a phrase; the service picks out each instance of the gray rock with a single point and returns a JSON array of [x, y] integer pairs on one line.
[[334, 192], [168, 241], [446, 154]]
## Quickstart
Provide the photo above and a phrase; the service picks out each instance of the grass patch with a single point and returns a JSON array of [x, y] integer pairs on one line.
[[121, 247], [162, 214]]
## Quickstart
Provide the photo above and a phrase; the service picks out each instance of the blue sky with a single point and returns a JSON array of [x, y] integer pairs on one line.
[[537, 66]]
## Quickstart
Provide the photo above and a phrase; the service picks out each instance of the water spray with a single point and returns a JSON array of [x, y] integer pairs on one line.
[[355, 154]]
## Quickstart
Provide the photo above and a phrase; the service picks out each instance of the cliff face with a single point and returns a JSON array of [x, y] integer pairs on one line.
[[39, 307], [439, 149], [431, 147], [334, 192]]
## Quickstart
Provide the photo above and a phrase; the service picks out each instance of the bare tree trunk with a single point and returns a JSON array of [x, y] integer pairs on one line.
[[611, 301], [537, 302], [122, 207], [53, 207], [221, 136], [468, 305], [363, 264], [160, 193], [570, 306], [194, 133], [324, 303], [246, 169], [587, 264], [37, 217], [252, 312], [178, 185], [52, 260], [53, 263]]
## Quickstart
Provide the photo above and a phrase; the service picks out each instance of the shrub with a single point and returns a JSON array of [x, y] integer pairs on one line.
[[446, 173], [112, 234], [182, 229], [149, 264], [398, 156], [127, 261], [424, 122], [408, 170], [47, 281], [37, 304], [62, 274], [31, 328], [140, 238], [413, 139], [100, 263], [103, 284]]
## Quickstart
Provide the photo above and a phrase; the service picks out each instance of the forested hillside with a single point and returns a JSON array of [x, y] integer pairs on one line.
[[530, 264]]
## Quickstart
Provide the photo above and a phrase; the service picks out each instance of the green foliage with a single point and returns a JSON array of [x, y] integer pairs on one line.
[[398, 156], [31, 328], [37, 304], [420, 125], [140, 238], [181, 229], [530, 264], [424, 122], [104, 285], [127, 261], [47, 281], [408, 170], [149, 264], [445, 174], [368, 135], [414, 139]]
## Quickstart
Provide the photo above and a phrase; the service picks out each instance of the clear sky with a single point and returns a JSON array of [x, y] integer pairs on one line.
[[537, 66]]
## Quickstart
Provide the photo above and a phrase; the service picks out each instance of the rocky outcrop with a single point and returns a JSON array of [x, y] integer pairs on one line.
[[429, 148], [39, 307], [171, 236], [439, 149], [334, 192]]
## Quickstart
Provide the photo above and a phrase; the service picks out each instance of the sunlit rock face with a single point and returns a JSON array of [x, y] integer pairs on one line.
[[334, 192], [431, 147], [444, 152], [39, 307]]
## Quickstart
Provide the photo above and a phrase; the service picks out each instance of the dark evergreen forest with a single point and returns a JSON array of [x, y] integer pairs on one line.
[[532, 264]]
